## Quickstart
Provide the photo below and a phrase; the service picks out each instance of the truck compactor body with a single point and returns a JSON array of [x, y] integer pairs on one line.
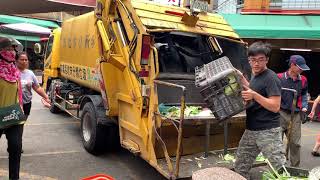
[[115, 67]]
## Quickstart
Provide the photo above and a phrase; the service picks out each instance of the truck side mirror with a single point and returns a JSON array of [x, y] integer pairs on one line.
[[37, 48], [99, 8]]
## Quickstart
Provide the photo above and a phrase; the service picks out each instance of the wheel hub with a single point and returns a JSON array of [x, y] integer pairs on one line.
[[86, 127]]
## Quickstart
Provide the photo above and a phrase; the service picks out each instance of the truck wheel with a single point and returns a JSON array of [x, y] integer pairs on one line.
[[97, 138], [53, 109]]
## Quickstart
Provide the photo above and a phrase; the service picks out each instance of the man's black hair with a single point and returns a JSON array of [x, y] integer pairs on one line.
[[259, 48]]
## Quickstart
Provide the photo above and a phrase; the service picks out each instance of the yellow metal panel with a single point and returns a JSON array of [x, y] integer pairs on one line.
[[175, 26], [104, 36], [161, 9], [130, 127], [85, 75], [117, 61], [155, 16], [80, 44], [125, 98], [177, 19]]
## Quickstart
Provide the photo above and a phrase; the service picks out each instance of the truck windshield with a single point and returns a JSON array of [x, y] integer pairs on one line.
[[49, 46]]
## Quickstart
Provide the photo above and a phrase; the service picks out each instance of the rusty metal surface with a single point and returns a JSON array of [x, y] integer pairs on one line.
[[179, 129], [201, 120]]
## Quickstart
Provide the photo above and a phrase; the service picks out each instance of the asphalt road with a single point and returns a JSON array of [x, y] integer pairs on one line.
[[53, 150]]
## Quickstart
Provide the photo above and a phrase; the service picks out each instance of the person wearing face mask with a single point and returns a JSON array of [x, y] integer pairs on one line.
[[28, 82], [293, 79], [10, 93]]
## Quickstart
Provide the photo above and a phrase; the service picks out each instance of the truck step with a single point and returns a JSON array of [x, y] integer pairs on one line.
[[131, 146]]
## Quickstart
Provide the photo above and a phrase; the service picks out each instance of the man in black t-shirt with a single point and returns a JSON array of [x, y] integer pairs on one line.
[[263, 96]]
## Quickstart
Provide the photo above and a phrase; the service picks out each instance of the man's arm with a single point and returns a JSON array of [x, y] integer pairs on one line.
[[36, 87], [314, 107], [271, 103]]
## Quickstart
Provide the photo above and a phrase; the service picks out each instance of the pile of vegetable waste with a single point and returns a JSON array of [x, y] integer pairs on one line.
[[268, 175], [230, 158], [275, 175], [174, 111]]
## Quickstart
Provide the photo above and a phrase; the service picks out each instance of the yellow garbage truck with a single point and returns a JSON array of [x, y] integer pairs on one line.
[[116, 68]]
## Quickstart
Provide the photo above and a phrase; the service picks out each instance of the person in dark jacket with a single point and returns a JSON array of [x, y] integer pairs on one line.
[[293, 79]]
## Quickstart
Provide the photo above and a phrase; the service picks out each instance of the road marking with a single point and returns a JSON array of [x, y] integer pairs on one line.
[[310, 130], [41, 124], [45, 154], [39, 108], [307, 135], [4, 174]]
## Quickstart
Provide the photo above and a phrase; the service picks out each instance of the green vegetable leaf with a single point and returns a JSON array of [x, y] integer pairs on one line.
[[229, 157], [260, 158]]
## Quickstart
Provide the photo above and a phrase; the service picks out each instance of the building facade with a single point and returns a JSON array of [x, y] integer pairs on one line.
[[281, 7]]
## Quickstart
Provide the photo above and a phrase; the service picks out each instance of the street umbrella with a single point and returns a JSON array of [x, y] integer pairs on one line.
[[44, 6], [25, 28]]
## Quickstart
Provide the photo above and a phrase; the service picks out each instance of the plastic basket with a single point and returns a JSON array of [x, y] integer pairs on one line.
[[293, 171], [297, 172], [213, 71], [221, 88]]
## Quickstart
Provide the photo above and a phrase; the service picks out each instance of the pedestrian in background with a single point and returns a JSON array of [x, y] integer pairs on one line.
[[9, 91], [263, 132], [293, 79], [28, 82], [316, 148]]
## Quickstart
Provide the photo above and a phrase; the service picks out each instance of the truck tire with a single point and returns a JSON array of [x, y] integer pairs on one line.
[[53, 108], [97, 138]]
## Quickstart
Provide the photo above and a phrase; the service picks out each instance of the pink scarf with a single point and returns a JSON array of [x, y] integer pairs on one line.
[[8, 70]]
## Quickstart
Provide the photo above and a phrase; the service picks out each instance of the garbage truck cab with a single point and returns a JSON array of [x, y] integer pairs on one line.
[[114, 68]]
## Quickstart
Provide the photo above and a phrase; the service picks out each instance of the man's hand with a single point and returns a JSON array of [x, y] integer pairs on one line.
[[248, 94], [304, 109], [311, 115], [271, 103], [242, 78], [46, 102], [239, 73]]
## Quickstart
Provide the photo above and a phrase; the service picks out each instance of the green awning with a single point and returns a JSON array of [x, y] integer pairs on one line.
[[22, 38], [6, 19], [275, 26]]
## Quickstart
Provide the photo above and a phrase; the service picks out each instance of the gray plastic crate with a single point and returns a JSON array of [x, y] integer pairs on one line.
[[213, 71], [220, 87]]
